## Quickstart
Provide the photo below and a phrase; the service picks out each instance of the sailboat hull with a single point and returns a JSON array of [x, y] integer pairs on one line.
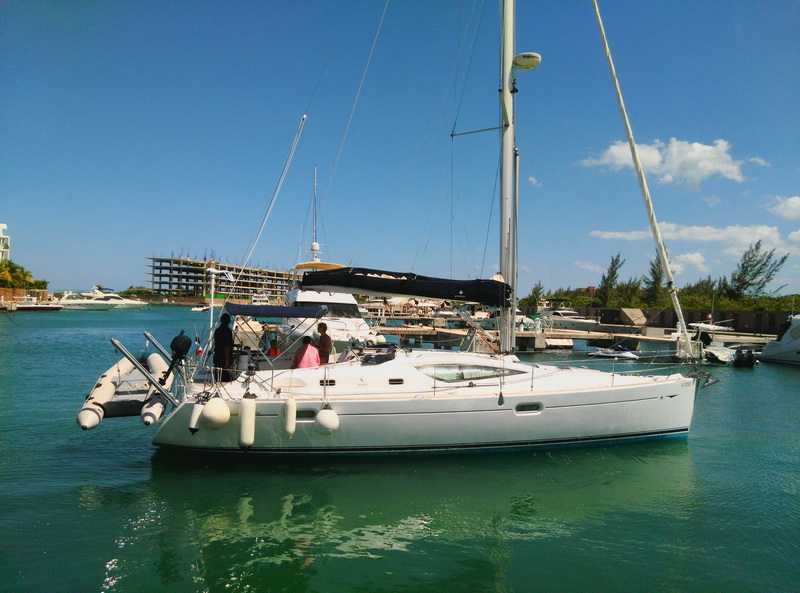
[[450, 423]]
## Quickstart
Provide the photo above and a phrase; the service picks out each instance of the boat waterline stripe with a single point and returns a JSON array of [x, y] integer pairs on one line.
[[494, 410], [422, 448]]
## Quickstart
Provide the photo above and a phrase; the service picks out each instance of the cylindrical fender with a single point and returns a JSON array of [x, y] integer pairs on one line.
[[194, 418], [247, 421], [291, 416]]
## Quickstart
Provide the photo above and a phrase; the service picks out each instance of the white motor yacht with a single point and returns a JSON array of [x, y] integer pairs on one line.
[[80, 302], [569, 319], [345, 324], [105, 296], [786, 348]]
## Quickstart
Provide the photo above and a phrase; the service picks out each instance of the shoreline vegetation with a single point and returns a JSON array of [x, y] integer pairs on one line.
[[14, 275], [745, 289]]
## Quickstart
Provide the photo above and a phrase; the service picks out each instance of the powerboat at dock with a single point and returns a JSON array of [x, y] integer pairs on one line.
[[786, 348]]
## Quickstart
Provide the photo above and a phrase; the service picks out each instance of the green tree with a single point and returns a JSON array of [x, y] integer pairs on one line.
[[756, 269], [608, 283], [654, 290], [629, 293], [530, 303]]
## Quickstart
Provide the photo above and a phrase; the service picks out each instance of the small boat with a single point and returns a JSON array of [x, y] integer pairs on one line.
[[30, 303], [616, 351], [569, 319]]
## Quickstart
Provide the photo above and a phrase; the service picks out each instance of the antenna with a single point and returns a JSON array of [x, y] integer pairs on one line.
[[314, 244]]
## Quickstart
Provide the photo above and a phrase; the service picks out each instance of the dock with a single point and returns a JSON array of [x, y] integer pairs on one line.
[[527, 341]]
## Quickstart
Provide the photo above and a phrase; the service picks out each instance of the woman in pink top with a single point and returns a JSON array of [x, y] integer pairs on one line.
[[307, 356]]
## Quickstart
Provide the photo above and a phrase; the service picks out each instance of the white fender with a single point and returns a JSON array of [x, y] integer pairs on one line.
[[216, 413], [291, 416], [247, 421], [92, 412], [194, 418], [153, 407], [328, 419]]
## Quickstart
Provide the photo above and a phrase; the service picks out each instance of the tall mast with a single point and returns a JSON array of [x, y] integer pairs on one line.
[[314, 244], [507, 183]]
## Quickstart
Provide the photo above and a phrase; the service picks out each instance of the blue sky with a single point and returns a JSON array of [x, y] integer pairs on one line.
[[134, 129]]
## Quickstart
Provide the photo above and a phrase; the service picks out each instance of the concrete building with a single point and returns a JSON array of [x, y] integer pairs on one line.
[[5, 244], [171, 276]]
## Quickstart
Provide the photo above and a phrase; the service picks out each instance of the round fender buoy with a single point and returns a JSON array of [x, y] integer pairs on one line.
[[216, 413], [328, 419]]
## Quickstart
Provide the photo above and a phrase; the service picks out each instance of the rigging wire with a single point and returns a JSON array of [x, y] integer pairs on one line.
[[275, 192], [476, 34], [489, 221], [343, 141]]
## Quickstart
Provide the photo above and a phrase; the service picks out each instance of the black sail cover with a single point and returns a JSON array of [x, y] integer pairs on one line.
[[368, 281]]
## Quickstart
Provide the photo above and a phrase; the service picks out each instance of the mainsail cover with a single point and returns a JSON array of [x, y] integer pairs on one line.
[[380, 282]]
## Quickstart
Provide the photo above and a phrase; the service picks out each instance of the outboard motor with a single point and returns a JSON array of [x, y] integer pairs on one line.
[[744, 358], [180, 346]]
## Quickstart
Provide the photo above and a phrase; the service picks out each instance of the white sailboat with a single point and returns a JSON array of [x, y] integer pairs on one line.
[[395, 400]]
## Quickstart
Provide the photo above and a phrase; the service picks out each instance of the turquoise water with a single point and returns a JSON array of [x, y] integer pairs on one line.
[[102, 511]]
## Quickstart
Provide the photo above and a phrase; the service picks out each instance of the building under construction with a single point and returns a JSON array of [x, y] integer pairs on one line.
[[180, 276]]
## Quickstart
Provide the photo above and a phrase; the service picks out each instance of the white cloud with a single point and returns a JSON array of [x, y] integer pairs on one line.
[[694, 259], [712, 201], [676, 161], [757, 160], [788, 208], [533, 182], [734, 238], [587, 265], [795, 236]]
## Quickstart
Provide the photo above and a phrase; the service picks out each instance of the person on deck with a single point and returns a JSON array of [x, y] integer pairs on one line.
[[324, 343], [223, 349], [307, 355], [273, 351]]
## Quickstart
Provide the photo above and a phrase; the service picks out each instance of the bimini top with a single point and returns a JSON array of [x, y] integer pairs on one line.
[[275, 311], [368, 281]]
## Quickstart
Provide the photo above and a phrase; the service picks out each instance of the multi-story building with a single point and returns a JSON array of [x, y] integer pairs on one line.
[[171, 276], [5, 244]]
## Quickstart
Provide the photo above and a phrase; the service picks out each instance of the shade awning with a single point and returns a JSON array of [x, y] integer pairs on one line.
[[380, 282], [275, 311]]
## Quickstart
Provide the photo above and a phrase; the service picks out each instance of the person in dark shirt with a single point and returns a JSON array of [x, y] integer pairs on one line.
[[324, 344], [223, 349]]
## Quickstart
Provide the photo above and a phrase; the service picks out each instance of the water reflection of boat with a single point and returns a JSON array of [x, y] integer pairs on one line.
[[292, 527]]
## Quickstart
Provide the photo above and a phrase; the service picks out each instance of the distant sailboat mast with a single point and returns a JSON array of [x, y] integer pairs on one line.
[[314, 243]]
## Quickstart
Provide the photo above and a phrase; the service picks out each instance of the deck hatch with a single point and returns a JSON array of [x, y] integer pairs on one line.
[[396, 381]]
